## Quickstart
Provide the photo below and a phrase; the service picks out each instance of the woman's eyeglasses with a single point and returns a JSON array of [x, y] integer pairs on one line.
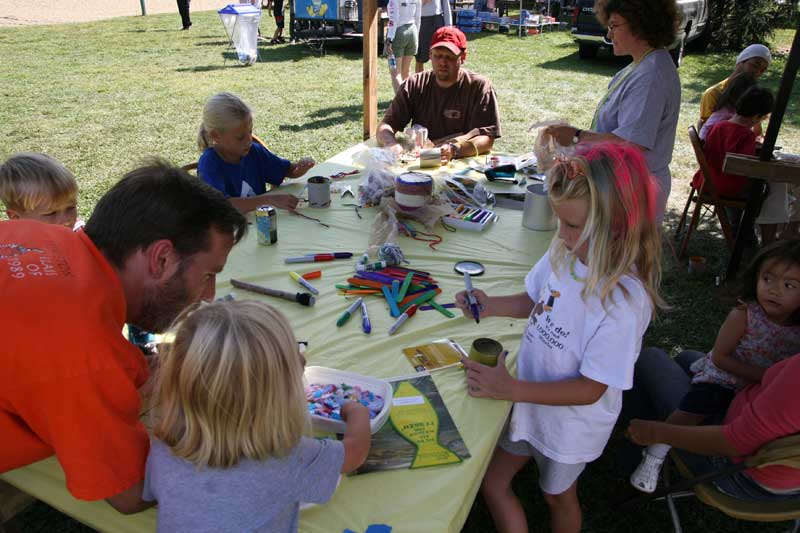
[[613, 27]]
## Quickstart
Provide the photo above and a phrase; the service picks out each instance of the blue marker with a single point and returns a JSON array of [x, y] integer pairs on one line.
[[365, 325], [471, 300], [347, 314]]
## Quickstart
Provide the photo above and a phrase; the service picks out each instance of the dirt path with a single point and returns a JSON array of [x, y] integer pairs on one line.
[[24, 13]]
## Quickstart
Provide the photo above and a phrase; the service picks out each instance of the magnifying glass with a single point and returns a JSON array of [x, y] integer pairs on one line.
[[471, 268]]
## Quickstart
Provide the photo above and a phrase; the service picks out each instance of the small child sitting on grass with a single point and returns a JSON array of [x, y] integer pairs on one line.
[[236, 165]]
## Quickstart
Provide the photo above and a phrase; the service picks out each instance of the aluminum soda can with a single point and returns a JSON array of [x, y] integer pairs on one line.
[[266, 225]]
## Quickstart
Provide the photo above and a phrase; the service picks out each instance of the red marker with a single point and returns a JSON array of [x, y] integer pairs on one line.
[[314, 258], [402, 319]]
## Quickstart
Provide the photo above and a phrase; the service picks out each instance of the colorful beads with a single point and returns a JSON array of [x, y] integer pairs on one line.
[[326, 400]]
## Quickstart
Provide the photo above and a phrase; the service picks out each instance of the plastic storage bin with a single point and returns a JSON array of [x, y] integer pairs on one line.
[[323, 375]]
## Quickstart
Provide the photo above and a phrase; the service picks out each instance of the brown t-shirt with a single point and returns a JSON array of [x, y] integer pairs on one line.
[[467, 104]]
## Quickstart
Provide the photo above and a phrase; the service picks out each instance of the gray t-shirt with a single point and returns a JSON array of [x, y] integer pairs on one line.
[[251, 496], [644, 110]]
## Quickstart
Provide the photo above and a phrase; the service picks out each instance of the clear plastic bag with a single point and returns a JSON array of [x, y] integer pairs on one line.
[[378, 176], [546, 148]]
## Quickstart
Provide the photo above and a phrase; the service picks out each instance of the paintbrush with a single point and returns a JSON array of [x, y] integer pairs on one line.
[[303, 298]]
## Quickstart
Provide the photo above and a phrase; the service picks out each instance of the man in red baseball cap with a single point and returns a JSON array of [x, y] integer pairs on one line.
[[458, 107]]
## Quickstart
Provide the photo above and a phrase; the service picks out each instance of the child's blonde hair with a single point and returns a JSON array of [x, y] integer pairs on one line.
[[231, 385], [620, 229], [29, 180], [222, 112]]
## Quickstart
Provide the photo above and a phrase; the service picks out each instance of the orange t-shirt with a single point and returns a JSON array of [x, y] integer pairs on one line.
[[69, 381]]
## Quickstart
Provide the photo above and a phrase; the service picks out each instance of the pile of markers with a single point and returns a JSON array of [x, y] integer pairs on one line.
[[326, 400], [404, 290]]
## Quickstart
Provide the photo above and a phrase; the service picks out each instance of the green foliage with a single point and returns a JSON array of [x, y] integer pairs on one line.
[[738, 23]]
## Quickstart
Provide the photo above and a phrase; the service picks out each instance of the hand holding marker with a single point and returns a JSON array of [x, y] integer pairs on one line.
[[471, 300]]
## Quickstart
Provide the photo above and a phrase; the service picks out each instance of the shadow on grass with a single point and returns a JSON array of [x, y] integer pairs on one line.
[[331, 116], [210, 68]]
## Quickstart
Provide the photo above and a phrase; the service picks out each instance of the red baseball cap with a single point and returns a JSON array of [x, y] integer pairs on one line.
[[451, 38]]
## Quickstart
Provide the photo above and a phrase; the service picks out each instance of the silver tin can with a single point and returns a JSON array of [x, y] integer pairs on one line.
[[267, 225]]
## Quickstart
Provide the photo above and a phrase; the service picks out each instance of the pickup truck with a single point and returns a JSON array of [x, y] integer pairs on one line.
[[694, 29]]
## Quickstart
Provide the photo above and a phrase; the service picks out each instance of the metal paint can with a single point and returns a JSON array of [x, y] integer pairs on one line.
[[485, 351], [266, 225]]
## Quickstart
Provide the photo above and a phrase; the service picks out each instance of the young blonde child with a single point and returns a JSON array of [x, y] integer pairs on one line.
[[229, 452], [38, 187], [236, 165], [588, 301], [760, 332]]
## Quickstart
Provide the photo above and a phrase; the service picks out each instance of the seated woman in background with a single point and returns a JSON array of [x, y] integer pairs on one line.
[[737, 136], [725, 107]]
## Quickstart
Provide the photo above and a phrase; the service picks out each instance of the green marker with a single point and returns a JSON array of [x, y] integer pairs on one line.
[[347, 314]]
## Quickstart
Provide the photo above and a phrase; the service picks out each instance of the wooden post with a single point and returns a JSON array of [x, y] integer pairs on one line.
[[370, 40]]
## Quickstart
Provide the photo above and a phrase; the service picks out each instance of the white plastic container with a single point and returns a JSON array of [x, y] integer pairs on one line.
[[322, 375]]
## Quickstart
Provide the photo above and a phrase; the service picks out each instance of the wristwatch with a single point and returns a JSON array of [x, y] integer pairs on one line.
[[577, 137]]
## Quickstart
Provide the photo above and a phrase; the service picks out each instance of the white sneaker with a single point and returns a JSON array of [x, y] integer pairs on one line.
[[645, 477]]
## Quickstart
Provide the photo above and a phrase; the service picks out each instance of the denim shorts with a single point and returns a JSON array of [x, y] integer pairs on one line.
[[737, 485], [707, 399]]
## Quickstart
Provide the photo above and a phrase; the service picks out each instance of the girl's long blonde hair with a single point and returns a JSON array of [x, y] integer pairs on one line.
[[621, 230], [222, 112], [231, 386]]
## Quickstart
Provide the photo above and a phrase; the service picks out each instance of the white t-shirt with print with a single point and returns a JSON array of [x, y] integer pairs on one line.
[[567, 337]]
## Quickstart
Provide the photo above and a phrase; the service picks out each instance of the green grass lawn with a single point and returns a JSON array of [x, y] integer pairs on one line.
[[101, 96]]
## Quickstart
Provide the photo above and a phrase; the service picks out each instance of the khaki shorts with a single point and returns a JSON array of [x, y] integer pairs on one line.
[[405, 41]]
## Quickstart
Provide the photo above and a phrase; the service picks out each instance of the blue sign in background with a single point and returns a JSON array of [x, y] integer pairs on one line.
[[316, 9]]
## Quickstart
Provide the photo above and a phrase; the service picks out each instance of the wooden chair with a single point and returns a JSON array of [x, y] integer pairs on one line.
[[705, 197], [193, 166], [783, 451]]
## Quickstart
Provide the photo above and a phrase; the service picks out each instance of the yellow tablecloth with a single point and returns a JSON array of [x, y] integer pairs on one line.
[[430, 500]]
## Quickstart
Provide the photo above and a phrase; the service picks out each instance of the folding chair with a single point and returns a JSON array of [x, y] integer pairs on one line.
[[193, 166], [783, 451], [705, 197]]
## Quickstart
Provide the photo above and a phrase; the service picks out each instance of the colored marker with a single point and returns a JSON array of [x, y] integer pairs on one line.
[[365, 324], [347, 314], [473, 303], [361, 267], [314, 274], [314, 258], [402, 319], [299, 279]]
